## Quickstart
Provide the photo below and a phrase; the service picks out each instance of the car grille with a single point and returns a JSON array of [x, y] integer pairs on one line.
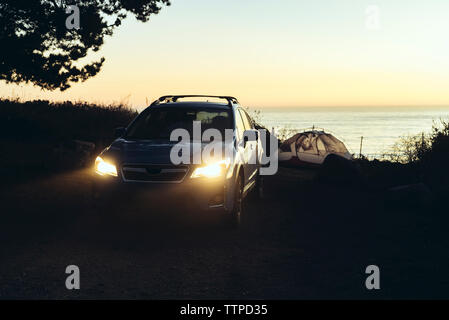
[[154, 173]]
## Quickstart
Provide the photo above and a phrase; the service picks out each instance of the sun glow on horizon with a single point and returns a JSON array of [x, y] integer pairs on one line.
[[273, 54]]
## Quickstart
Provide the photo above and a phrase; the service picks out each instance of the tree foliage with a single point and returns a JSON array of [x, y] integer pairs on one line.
[[37, 47]]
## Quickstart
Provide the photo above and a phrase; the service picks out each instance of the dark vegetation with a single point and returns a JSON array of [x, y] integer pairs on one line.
[[423, 159], [42, 137]]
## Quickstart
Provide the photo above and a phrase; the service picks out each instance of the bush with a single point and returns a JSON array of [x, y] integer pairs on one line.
[[49, 122], [419, 147], [409, 149], [386, 174], [435, 160], [38, 137], [428, 155]]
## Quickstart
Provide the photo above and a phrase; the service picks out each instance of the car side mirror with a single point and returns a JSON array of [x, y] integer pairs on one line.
[[250, 135], [119, 132]]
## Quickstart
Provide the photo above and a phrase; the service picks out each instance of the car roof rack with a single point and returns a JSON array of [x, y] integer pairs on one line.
[[174, 98]]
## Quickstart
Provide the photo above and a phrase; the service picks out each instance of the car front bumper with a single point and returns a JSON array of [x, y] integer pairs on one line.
[[196, 194]]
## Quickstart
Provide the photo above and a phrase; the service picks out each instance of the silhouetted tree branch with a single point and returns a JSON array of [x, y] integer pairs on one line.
[[37, 47]]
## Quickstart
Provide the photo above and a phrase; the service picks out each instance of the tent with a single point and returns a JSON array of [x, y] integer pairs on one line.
[[311, 147]]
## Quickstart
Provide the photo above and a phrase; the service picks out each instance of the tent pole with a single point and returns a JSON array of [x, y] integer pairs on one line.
[[361, 143]]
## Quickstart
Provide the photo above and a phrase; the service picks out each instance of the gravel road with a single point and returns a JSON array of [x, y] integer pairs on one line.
[[303, 241]]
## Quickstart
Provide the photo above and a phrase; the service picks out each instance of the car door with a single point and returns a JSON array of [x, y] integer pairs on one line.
[[241, 148], [250, 149]]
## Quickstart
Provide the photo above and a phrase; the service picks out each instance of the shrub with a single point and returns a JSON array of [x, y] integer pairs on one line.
[[428, 154], [409, 149], [49, 122], [36, 137]]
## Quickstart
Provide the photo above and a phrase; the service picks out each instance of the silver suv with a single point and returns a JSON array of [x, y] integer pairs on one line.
[[150, 155]]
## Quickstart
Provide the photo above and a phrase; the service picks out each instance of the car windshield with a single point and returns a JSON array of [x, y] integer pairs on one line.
[[158, 123]]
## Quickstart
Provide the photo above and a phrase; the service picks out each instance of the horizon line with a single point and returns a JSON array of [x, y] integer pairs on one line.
[[251, 106]]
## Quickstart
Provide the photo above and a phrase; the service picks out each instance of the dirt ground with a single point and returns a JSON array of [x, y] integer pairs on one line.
[[305, 240]]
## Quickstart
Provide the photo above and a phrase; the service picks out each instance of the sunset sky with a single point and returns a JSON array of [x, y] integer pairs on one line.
[[275, 53]]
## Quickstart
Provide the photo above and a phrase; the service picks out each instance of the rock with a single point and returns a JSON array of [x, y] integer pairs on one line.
[[339, 170]]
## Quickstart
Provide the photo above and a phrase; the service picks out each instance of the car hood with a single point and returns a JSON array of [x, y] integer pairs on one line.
[[148, 151]]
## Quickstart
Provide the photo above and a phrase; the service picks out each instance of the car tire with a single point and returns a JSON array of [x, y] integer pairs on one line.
[[257, 192], [233, 218], [259, 189]]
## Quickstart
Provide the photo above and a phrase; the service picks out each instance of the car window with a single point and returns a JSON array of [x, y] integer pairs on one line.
[[250, 120], [158, 123], [246, 120], [239, 124]]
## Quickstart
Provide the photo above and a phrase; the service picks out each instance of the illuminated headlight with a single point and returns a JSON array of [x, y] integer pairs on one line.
[[105, 168], [214, 170]]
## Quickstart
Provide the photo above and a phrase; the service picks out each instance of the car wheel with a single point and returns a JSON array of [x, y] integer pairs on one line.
[[259, 192], [233, 218]]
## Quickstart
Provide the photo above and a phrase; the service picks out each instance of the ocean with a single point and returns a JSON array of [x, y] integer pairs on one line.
[[380, 127]]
